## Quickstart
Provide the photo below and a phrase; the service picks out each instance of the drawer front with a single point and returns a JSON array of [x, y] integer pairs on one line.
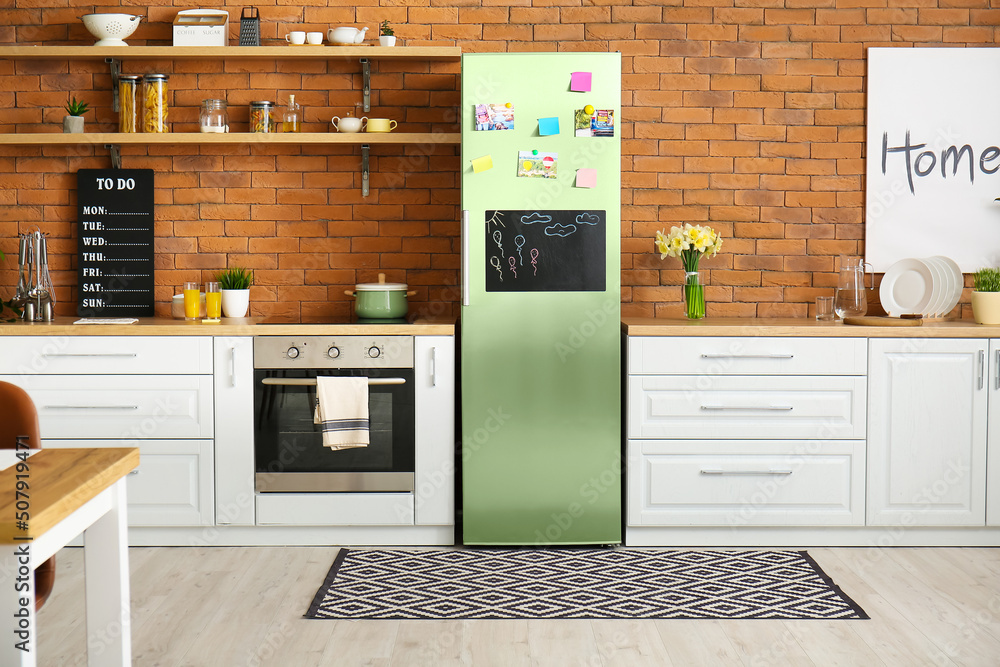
[[691, 355], [173, 485], [676, 406], [746, 483], [123, 407], [334, 509], [106, 355]]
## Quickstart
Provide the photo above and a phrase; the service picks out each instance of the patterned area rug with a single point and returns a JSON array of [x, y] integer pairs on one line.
[[579, 583]]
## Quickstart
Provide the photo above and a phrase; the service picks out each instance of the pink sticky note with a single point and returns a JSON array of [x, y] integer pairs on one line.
[[586, 178], [580, 82]]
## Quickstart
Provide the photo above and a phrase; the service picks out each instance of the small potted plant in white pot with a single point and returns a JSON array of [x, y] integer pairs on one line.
[[235, 285], [73, 123], [986, 296], [386, 37]]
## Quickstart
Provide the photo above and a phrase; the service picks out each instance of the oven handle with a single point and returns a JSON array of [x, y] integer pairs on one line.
[[306, 382]]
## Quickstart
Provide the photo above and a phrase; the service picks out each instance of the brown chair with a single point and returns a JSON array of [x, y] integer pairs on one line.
[[18, 417]]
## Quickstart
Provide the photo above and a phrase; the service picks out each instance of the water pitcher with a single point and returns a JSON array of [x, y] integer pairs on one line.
[[851, 300]]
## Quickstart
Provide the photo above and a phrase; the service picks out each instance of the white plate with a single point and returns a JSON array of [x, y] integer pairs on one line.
[[941, 291], [906, 288], [956, 283]]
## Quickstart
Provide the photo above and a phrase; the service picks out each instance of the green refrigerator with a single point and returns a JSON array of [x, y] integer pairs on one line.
[[541, 452]]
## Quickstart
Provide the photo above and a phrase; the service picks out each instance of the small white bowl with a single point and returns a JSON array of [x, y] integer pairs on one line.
[[111, 29]]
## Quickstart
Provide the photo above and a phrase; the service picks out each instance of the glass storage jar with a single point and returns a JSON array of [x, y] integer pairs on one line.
[[214, 116], [128, 103], [154, 103], [261, 116]]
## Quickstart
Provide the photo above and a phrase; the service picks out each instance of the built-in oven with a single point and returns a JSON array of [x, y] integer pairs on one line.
[[289, 454]]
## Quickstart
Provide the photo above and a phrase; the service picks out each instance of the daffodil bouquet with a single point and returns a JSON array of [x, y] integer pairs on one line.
[[690, 243]]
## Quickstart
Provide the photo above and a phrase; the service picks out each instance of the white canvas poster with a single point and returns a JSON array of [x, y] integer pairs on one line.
[[932, 160]]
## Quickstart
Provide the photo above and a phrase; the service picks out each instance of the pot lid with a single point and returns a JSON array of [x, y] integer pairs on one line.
[[380, 287]]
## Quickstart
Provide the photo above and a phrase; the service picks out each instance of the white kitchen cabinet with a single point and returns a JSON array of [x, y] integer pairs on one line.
[[234, 476], [993, 437], [927, 432], [106, 355], [434, 480]]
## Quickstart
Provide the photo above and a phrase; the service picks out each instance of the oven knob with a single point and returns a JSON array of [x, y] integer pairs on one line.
[[333, 352], [374, 352], [292, 353]]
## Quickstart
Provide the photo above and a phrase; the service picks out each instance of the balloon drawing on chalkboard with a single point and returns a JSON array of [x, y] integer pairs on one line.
[[535, 217], [495, 261], [519, 242], [560, 230], [513, 266], [497, 238], [534, 260], [588, 219]]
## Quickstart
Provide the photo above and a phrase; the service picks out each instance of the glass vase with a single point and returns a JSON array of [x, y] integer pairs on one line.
[[694, 295]]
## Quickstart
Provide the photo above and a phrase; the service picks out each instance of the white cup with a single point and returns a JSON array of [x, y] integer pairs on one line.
[[296, 37], [349, 123], [314, 37]]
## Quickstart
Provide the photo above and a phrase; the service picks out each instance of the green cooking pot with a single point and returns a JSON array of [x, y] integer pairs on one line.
[[380, 300]]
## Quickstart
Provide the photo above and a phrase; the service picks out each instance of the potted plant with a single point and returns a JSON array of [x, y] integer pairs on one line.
[[986, 296], [234, 283], [73, 123], [386, 37]]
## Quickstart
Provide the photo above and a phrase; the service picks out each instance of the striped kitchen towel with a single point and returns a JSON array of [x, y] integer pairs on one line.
[[342, 411]]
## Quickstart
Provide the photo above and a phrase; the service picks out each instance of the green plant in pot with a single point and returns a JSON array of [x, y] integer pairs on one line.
[[986, 296], [73, 123], [386, 36], [234, 283]]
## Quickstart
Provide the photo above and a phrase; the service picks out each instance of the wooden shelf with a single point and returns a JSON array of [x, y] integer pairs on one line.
[[254, 138], [253, 52]]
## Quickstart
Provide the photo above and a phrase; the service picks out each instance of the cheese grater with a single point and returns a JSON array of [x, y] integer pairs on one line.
[[250, 27]]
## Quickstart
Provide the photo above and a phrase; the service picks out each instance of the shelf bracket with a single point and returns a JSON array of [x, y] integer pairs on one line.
[[116, 155], [116, 71], [366, 75], [364, 169]]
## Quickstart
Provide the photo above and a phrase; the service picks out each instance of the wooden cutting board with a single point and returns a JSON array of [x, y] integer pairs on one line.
[[871, 321]]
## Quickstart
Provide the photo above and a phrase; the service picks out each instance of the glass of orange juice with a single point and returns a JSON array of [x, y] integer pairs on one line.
[[192, 300], [213, 301]]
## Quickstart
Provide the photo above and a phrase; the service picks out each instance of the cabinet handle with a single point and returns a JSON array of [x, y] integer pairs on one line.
[[746, 472], [89, 354], [713, 355], [134, 472], [232, 366], [465, 258], [982, 365], [90, 407], [433, 366], [996, 383], [747, 407]]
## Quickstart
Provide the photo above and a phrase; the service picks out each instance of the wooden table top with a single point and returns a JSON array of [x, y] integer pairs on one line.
[[60, 482]]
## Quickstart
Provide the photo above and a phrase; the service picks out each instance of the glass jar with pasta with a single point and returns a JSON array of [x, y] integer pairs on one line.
[[128, 103], [154, 103], [262, 117]]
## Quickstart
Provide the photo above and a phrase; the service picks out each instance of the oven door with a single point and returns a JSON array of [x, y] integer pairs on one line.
[[289, 455]]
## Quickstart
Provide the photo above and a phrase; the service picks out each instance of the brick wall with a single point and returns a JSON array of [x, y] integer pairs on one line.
[[746, 115]]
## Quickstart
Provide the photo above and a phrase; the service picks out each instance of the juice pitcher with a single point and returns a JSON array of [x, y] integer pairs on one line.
[[851, 300]]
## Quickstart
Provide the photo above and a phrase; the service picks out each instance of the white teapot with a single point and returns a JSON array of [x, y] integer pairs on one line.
[[346, 35]]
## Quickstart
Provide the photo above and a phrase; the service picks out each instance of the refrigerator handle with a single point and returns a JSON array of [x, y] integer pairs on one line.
[[465, 258]]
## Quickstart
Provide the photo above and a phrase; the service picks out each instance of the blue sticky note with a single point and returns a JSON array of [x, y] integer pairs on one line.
[[547, 126]]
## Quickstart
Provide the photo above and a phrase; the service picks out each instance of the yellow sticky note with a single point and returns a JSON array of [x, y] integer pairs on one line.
[[482, 163]]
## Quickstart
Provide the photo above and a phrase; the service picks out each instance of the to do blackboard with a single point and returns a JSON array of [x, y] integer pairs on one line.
[[115, 242], [545, 251]]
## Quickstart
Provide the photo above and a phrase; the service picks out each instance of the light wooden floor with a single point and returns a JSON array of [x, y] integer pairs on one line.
[[229, 607]]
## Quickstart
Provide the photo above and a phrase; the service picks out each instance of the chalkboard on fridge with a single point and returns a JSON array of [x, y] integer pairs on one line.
[[115, 242], [546, 251]]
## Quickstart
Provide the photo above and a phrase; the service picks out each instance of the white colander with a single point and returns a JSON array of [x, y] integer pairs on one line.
[[111, 29]]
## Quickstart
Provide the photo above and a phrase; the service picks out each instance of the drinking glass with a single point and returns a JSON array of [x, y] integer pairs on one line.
[[192, 300], [213, 301]]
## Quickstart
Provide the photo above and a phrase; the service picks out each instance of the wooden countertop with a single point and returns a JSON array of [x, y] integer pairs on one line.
[[791, 326], [60, 481], [237, 326]]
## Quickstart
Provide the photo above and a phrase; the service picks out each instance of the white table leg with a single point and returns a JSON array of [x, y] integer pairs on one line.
[[18, 630], [109, 622]]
